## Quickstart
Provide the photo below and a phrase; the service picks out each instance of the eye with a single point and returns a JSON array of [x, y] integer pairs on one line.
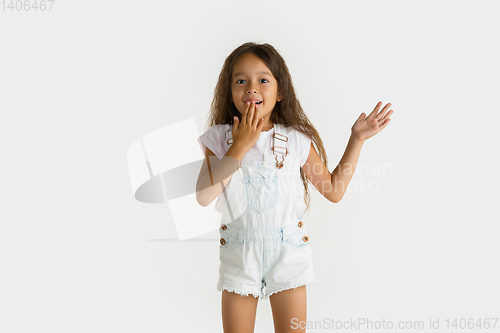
[[261, 80]]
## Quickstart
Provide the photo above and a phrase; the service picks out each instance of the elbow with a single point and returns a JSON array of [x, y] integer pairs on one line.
[[204, 196], [335, 198], [332, 193], [201, 203], [201, 199]]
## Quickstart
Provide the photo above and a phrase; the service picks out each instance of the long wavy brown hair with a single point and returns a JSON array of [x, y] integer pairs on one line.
[[287, 111]]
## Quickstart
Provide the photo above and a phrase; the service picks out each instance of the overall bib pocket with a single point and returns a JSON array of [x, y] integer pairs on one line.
[[261, 193]]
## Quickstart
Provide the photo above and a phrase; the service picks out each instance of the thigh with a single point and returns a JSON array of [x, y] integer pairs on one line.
[[238, 312], [289, 310]]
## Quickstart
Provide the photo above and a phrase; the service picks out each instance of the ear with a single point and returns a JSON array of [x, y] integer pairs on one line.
[[279, 97]]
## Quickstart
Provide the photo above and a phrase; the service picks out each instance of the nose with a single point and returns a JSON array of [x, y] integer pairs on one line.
[[251, 90]]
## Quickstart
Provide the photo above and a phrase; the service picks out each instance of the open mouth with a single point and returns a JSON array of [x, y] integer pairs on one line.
[[258, 102]]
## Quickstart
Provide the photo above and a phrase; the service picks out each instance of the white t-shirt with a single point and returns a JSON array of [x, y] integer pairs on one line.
[[298, 147], [298, 144]]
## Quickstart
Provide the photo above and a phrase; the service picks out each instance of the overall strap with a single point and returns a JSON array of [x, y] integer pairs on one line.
[[229, 139], [280, 144], [229, 135]]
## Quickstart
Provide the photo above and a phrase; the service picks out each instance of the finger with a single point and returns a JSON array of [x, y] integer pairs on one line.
[[375, 110], [244, 116], [387, 115], [250, 113], [260, 125], [381, 113], [256, 116], [236, 124], [385, 123]]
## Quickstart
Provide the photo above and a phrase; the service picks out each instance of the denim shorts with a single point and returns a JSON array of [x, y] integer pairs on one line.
[[262, 262]]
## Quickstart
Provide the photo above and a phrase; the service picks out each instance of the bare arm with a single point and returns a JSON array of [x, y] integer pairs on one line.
[[215, 174], [333, 185]]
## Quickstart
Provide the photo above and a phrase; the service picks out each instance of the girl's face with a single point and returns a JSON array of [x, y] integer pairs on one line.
[[251, 79]]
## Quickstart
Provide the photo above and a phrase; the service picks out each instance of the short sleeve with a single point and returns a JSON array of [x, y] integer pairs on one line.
[[305, 147], [213, 138]]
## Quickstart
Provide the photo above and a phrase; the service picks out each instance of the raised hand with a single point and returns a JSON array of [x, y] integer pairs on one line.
[[246, 134], [365, 128]]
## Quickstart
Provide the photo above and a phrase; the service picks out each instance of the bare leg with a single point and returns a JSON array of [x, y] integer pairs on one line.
[[286, 305], [238, 312]]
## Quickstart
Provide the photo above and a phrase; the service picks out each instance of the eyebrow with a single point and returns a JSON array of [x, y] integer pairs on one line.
[[241, 73]]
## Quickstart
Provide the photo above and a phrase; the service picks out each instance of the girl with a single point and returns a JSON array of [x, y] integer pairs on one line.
[[260, 156]]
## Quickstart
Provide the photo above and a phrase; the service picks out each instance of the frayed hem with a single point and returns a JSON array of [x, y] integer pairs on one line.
[[295, 286], [238, 292]]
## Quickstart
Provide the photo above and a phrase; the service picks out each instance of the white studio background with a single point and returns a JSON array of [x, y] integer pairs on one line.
[[81, 83]]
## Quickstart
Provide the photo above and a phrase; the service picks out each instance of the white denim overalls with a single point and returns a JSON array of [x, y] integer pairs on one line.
[[264, 245]]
